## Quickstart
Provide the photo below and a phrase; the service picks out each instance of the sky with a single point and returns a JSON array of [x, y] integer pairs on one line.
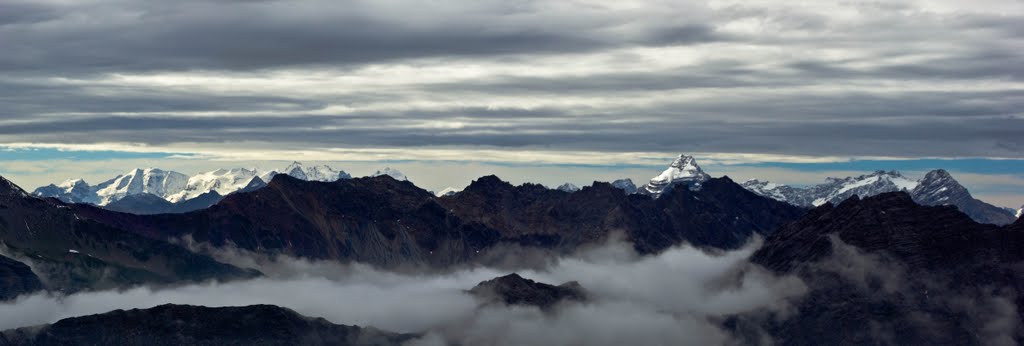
[[544, 91]]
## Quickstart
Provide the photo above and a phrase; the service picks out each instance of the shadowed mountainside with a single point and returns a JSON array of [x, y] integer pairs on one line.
[[71, 253], [195, 325], [386, 222], [886, 270]]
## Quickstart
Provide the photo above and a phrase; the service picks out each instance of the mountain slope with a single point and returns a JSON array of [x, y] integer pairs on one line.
[[196, 325], [71, 252], [885, 269], [16, 279]]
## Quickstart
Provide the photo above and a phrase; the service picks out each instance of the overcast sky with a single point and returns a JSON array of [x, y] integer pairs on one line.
[[520, 84]]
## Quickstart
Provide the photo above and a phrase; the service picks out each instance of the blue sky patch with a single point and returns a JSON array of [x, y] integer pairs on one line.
[[980, 166], [45, 154]]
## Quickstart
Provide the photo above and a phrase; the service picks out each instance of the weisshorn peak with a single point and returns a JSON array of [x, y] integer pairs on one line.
[[682, 171]]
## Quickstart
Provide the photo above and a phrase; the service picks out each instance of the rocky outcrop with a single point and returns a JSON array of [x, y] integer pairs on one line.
[[513, 289]]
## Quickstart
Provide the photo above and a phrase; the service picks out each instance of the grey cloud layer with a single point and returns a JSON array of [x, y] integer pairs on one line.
[[856, 79], [677, 296]]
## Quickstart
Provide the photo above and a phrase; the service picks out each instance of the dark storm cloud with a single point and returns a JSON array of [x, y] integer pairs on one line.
[[127, 36], [910, 124], [25, 100], [870, 79]]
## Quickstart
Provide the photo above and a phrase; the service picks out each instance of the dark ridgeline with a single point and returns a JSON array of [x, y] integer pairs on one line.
[[390, 223], [196, 325], [884, 269]]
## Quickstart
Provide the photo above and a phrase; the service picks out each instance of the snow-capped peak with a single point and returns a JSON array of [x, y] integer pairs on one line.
[[313, 173], [72, 183], [150, 180], [394, 173], [224, 181], [683, 167], [682, 170], [626, 185], [448, 191], [1020, 212], [568, 187], [176, 187]]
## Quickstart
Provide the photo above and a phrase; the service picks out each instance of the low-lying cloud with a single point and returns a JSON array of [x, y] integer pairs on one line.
[[678, 296]]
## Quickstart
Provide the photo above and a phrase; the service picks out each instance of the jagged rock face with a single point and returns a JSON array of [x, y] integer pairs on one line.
[[16, 279], [196, 325], [513, 289], [682, 171], [74, 253], [887, 270], [388, 223], [939, 188]]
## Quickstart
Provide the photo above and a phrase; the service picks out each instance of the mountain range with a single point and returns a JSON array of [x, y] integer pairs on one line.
[[155, 191], [937, 187], [877, 268]]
